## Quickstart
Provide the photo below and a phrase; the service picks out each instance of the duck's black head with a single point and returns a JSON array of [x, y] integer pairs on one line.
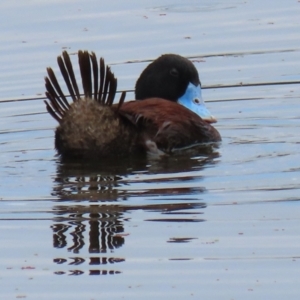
[[174, 78], [167, 77]]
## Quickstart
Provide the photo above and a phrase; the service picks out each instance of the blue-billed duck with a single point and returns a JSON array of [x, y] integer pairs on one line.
[[169, 112]]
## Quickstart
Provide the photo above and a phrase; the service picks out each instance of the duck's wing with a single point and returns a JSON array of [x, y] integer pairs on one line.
[[167, 124], [98, 83]]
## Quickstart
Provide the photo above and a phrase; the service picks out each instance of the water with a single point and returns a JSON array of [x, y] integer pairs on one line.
[[222, 223]]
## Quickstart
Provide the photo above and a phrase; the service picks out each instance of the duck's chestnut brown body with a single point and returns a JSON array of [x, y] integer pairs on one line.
[[169, 125]]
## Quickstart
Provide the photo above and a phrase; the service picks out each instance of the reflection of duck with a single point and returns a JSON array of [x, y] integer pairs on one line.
[[93, 127]]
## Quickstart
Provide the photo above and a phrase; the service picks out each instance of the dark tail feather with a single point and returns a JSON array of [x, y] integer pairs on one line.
[[105, 88], [85, 71], [95, 73], [102, 76], [52, 112], [53, 87], [67, 72], [121, 101], [98, 82], [112, 89]]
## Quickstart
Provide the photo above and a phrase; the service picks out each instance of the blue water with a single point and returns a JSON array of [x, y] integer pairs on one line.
[[217, 224]]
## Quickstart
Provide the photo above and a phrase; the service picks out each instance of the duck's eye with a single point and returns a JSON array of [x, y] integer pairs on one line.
[[197, 101], [174, 72]]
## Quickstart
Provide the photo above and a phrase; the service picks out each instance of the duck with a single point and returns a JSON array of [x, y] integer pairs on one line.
[[168, 112]]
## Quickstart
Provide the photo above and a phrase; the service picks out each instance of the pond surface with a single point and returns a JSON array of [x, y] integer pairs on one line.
[[222, 223]]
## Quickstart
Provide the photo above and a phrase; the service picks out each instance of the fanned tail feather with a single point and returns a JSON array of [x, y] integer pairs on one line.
[[98, 83]]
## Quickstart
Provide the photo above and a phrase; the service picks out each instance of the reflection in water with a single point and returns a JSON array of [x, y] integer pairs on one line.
[[105, 234], [89, 215]]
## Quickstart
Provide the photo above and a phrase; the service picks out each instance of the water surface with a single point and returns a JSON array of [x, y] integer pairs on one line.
[[221, 223]]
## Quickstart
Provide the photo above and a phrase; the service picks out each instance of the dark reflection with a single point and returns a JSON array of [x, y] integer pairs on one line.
[[180, 240], [92, 199]]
